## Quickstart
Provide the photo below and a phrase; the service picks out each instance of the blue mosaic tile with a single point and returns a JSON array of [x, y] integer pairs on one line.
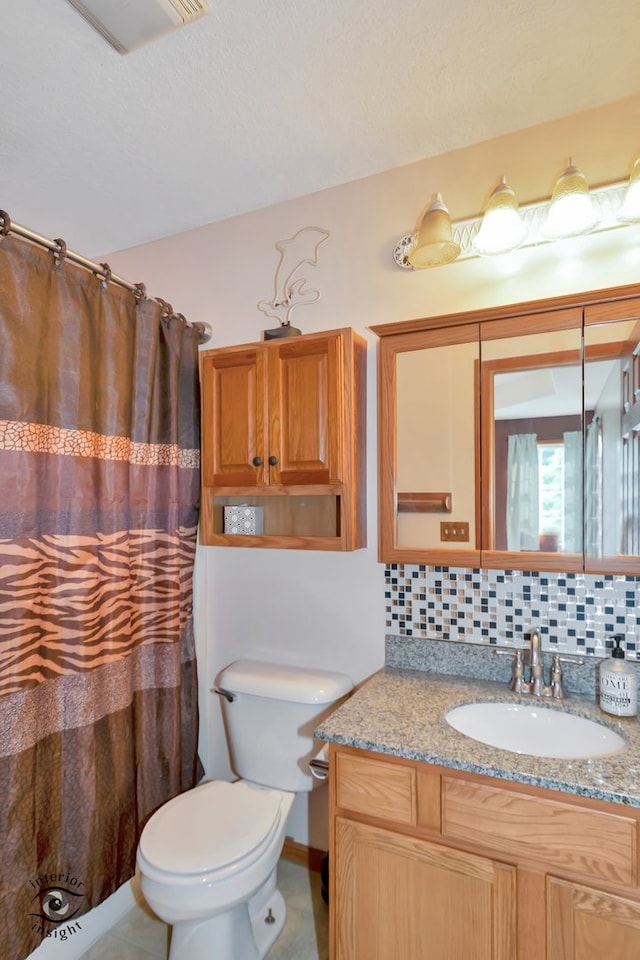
[[500, 607]]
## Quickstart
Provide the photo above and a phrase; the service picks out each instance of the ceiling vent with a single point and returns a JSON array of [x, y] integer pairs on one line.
[[127, 24]]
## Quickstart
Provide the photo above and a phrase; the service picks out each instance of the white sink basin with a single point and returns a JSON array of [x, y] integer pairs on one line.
[[534, 730]]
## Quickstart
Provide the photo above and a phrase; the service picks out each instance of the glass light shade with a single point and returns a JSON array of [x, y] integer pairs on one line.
[[502, 228], [630, 210], [571, 211], [434, 244]]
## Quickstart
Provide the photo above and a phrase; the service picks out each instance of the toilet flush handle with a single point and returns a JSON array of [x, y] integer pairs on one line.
[[229, 697]]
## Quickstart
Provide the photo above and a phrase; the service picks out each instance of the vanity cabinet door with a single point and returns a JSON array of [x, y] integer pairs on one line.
[[402, 898], [584, 924]]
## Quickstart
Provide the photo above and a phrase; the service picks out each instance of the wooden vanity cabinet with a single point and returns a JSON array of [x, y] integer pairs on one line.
[[403, 898], [283, 432], [429, 863], [586, 924]]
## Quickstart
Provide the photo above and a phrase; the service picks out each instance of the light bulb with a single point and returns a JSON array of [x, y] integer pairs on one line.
[[434, 244], [571, 211], [629, 212], [502, 228]]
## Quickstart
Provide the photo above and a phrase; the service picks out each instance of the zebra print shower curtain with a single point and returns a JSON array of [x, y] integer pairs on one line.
[[99, 473]]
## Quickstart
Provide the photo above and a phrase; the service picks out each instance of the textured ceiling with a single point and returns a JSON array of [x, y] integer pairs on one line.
[[265, 100]]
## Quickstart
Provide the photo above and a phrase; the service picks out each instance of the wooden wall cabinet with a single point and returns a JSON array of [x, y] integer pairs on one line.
[[484, 413], [283, 431], [433, 864]]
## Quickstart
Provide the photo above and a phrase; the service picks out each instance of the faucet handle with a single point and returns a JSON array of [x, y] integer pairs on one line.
[[517, 669], [557, 689]]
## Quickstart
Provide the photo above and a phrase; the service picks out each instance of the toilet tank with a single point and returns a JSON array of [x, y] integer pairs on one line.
[[271, 718]]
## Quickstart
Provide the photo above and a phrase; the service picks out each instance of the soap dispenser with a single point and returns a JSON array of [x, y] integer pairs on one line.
[[618, 683]]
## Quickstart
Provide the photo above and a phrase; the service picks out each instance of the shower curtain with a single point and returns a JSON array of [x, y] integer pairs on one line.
[[522, 492], [99, 475]]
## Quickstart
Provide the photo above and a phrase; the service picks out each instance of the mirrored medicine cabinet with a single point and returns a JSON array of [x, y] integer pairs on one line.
[[510, 438]]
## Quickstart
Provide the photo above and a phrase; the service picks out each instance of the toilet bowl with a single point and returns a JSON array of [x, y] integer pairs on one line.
[[208, 858], [207, 862]]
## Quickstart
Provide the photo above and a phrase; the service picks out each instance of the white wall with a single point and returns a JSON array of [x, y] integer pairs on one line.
[[322, 609]]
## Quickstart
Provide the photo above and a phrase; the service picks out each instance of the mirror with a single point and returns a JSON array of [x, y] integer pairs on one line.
[[429, 446], [513, 442], [436, 456], [612, 446], [532, 440]]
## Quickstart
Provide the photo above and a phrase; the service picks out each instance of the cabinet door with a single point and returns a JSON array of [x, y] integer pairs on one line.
[[306, 411], [583, 924], [612, 438], [532, 439], [233, 398], [429, 447], [399, 898]]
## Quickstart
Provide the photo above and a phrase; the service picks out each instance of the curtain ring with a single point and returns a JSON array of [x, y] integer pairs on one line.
[[60, 254], [167, 309], [140, 292], [104, 280], [5, 229]]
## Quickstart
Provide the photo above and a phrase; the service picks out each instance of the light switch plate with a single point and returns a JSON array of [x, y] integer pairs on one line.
[[451, 530]]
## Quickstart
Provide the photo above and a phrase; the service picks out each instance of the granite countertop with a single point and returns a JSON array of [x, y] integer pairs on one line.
[[401, 712]]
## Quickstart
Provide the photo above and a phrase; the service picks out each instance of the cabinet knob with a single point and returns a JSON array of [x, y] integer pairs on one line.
[[273, 461], [257, 461]]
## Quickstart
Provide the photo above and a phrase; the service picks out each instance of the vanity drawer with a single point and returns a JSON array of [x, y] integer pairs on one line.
[[376, 788], [577, 839]]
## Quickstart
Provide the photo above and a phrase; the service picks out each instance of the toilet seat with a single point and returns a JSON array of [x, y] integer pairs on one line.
[[217, 827]]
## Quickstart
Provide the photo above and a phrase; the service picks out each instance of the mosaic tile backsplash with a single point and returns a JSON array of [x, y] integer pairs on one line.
[[576, 613]]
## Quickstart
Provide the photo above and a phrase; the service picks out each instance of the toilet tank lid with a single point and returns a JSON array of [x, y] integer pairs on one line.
[[279, 682]]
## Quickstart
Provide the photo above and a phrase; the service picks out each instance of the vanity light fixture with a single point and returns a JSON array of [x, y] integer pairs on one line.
[[505, 226], [434, 243], [571, 211], [630, 210], [502, 228]]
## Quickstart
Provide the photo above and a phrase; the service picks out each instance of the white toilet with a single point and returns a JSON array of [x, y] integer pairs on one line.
[[208, 857]]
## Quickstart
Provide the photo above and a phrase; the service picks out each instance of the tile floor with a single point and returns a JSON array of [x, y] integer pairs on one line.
[[141, 936]]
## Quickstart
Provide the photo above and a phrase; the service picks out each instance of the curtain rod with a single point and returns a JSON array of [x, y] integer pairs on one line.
[[59, 249]]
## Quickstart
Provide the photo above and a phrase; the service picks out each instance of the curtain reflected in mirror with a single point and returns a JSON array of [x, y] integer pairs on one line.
[[523, 494]]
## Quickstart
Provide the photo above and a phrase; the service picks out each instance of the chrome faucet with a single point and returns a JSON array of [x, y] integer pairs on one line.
[[536, 666], [535, 685]]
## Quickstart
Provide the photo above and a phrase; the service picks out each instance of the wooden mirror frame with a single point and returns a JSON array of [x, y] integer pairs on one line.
[[595, 307]]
